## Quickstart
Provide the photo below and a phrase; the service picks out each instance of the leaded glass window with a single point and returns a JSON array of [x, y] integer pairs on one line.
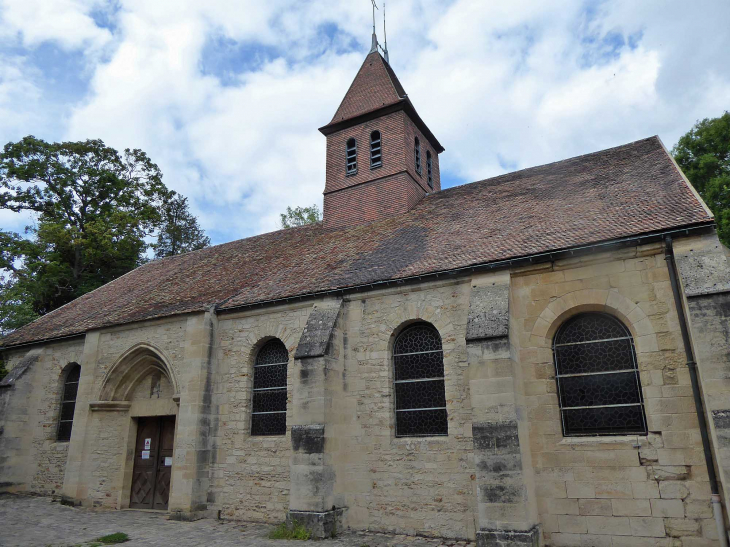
[[376, 156], [268, 415], [599, 389], [420, 398], [68, 402], [417, 154], [351, 157], [429, 169]]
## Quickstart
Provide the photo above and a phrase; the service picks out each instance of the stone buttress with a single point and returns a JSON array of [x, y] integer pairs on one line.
[[506, 503], [318, 364]]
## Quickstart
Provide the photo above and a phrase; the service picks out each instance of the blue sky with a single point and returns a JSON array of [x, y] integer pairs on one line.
[[227, 96]]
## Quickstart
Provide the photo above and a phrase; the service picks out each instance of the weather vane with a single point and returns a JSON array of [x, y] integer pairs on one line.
[[385, 35], [375, 6]]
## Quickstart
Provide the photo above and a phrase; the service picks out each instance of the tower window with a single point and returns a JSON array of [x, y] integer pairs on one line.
[[429, 169], [376, 157], [599, 389], [351, 157], [68, 402], [269, 390], [417, 155], [420, 396]]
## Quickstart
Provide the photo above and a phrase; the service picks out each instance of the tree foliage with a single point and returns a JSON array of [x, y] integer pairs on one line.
[[300, 216], [180, 231], [95, 210], [703, 153]]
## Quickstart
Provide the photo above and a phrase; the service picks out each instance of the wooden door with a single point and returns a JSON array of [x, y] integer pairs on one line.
[[164, 462], [152, 463]]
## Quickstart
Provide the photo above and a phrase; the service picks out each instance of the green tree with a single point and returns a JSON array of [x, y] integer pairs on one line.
[[94, 208], [300, 216], [180, 231], [703, 153]]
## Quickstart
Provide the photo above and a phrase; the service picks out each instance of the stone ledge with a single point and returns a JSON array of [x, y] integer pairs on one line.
[[321, 525], [110, 406], [509, 538]]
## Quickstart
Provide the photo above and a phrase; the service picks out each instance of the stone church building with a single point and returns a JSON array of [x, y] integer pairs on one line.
[[539, 358]]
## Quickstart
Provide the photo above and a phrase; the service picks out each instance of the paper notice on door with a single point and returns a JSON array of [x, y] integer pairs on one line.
[[168, 461], [145, 454], [147, 444]]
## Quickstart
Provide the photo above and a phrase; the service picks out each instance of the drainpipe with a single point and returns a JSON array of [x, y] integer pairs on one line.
[[699, 405]]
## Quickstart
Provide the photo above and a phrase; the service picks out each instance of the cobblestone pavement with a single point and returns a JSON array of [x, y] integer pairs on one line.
[[35, 521]]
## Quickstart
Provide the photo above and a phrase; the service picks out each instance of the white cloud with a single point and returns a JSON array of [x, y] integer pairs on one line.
[[501, 84], [66, 22]]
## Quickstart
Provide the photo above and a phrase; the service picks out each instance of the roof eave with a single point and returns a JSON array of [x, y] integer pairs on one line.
[[403, 104]]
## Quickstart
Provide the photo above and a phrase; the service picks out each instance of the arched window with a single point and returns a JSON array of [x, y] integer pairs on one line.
[[376, 157], [598, 381], [268, 415], [68, 402], [429, 169], [420, 398], [351, 157], [417, 155]]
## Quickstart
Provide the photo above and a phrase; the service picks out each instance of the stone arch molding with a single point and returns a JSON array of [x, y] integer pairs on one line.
[[609, 301], [132, 366]]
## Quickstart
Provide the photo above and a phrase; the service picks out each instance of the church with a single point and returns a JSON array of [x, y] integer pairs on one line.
[[538, 358]]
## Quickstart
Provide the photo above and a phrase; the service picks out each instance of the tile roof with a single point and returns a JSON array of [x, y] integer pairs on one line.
[[629, 190], [375, 86]]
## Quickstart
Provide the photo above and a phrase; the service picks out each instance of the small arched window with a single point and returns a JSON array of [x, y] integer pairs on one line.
[[68, 402], [417, 155], [351, 157], [429, 169], [599, 389], [420, 397], [376, 156], [268, 415]]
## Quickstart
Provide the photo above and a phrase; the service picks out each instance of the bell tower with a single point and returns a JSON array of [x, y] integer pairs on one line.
[[382, 159]]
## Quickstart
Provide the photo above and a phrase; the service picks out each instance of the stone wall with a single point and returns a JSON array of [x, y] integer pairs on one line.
[[31, 457], [404, 485], [250, 475], [628, 490]]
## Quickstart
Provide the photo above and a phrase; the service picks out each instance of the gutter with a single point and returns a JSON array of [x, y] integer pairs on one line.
[[699, 404]]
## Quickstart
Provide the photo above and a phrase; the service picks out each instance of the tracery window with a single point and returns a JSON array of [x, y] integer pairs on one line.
[[598, 381], [420, 397], [268, 415], [351, 157], [429, 169], [417, 154], [376, 156], [68, 402]]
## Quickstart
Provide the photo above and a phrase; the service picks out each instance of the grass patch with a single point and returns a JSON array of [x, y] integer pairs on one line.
[[295, 531], [118, 537]]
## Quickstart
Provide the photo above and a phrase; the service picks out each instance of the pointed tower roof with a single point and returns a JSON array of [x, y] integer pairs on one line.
[[374, 92], [374, 87]]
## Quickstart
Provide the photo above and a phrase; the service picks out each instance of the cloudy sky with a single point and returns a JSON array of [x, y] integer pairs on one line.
[[227, 95]]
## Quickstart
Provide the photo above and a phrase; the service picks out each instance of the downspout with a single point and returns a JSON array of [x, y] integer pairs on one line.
[[699, 405]]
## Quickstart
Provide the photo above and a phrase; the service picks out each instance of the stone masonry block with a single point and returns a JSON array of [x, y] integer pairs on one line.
[[647, 527], [488, 312], [572, 524], [600, 508], [667, 508], [616, 526], [631, 508], [580, 489]]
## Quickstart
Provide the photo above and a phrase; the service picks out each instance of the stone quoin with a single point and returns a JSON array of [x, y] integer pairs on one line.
[[504, 361]]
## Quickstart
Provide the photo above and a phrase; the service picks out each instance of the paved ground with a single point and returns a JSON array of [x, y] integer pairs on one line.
[[33, 521]]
